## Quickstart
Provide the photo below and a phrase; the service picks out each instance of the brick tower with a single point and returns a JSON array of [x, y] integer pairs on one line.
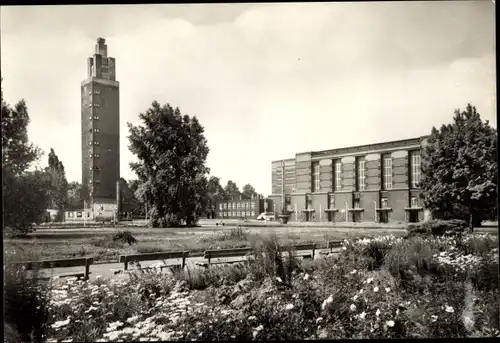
[[100, 133]]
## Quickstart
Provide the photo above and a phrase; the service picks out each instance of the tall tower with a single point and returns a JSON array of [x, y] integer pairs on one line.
[[100, 132]]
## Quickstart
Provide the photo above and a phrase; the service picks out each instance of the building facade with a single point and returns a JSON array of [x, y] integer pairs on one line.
[[241, 208], [376, 183], [100, 121]]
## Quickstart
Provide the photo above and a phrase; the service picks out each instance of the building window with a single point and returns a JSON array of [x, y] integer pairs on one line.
[[220, 206], [338, 176], [96, 168], [253, 213], [96, 117], [90, 168], [414, 202], [387, 172], [356, 204], [252, 205], [90, 105], [90, 92], [332, 201], [225, 205], [96, 142], [96, 155], [97, 91], [415, 169], [90, 143], [96, 130], [361, 174], [385, 203], [96, 105], [97, 181], [315, 178]]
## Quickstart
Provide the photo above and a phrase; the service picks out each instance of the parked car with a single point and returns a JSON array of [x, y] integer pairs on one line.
[[266, 216]]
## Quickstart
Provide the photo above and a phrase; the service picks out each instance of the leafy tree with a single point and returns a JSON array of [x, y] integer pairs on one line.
[[134, 186], [248, 192], [59, 189], [74, 196], [128, 200], [215, 190], [459, 167], [24, 193], [232, 191], [172, 152]]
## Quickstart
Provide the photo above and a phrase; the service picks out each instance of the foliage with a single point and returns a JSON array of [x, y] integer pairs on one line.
[[248, 192], [124, 237], [172, 152], [74, 196], [215, 191], [25, 198], [26, 305], [128, 200], [232, 191], [459, 168], [438, 227], [59, 191]]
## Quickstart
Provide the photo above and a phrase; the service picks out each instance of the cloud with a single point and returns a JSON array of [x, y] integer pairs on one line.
[[266, 81]]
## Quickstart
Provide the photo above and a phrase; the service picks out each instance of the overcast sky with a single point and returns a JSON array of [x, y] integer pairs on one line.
[[266, 80]]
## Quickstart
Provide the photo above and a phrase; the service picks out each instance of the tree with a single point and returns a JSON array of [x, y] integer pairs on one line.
[[59, 189], [74, 196], [128, 200], [232, 191], [459, 169], [172, 152], [215, 190], [25, 194], [248, 192]]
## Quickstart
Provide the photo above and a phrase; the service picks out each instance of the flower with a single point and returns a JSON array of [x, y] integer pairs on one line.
[[60, 323], [319, 320], [377, 313], [252, 318], [355, 297], [326, 302], [306, 277], [434, 318], [361, 291], [278, 279], [375, 289], [387, 289], [344, 248], [354, 271], [449, 309], [390, 323], [362, 315], [369, 280], [289, 307], [352, 307]]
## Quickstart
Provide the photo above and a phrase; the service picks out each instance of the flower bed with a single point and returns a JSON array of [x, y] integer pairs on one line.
[[375, 288]]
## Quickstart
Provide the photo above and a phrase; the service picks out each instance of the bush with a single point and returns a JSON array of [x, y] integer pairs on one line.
[[124, 237], [26, 304], [437, 228]]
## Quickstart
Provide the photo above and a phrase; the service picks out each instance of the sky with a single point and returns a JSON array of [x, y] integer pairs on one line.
[[266, 81]]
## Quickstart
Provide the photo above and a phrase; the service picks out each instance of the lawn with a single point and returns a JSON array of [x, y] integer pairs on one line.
[[99, 243], [421, 286]]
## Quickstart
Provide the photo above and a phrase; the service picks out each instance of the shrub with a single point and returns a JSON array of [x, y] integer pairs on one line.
[[26, 304], [437, 227], [124, 237]]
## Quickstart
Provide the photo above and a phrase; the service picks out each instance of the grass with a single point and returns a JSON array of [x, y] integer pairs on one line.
[[100, 244]]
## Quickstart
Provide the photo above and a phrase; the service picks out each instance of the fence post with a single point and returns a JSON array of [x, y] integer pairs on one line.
[[125, 267], [184, 259], [314, 250]]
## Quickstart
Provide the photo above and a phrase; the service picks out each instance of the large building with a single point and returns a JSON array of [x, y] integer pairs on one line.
[[242, 208], [100, 94], [377, 182]]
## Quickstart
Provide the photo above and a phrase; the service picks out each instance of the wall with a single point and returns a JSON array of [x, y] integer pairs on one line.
[[319, 203], [367, 202], [398, 200], [340, 200], [303, 172]]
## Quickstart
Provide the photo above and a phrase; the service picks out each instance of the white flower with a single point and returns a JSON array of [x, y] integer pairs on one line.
[[344, 248], [278, 279], [319, 320], [375, 289], [434, 318], [449, 309], [326, 302], [98, 277], [443, 253], [369, 280], [354, 271], [355, 297], [362, 315], [289, 307], [252, 318], [390, 323], [377, 313], [387, 289], [468, 323], [60, 323], [352, 307], [306, 277], [361, 291]]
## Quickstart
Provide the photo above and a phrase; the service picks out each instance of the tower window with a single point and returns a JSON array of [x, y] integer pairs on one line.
[[96, 142], [96, 117], [96, 155], [96, 130], [387, 172]]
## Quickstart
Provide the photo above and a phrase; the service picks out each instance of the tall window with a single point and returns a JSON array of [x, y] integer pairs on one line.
[[361, 173], [388, 172], [338, 176], [315, 177], [415, 169]]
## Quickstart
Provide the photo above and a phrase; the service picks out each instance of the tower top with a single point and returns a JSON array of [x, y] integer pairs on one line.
[[101, 40]]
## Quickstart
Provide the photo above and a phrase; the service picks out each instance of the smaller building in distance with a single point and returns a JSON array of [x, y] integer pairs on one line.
[[376, 183], [243, 208]]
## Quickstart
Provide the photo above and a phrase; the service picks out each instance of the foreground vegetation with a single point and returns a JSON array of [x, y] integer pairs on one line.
[[408, 287]]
